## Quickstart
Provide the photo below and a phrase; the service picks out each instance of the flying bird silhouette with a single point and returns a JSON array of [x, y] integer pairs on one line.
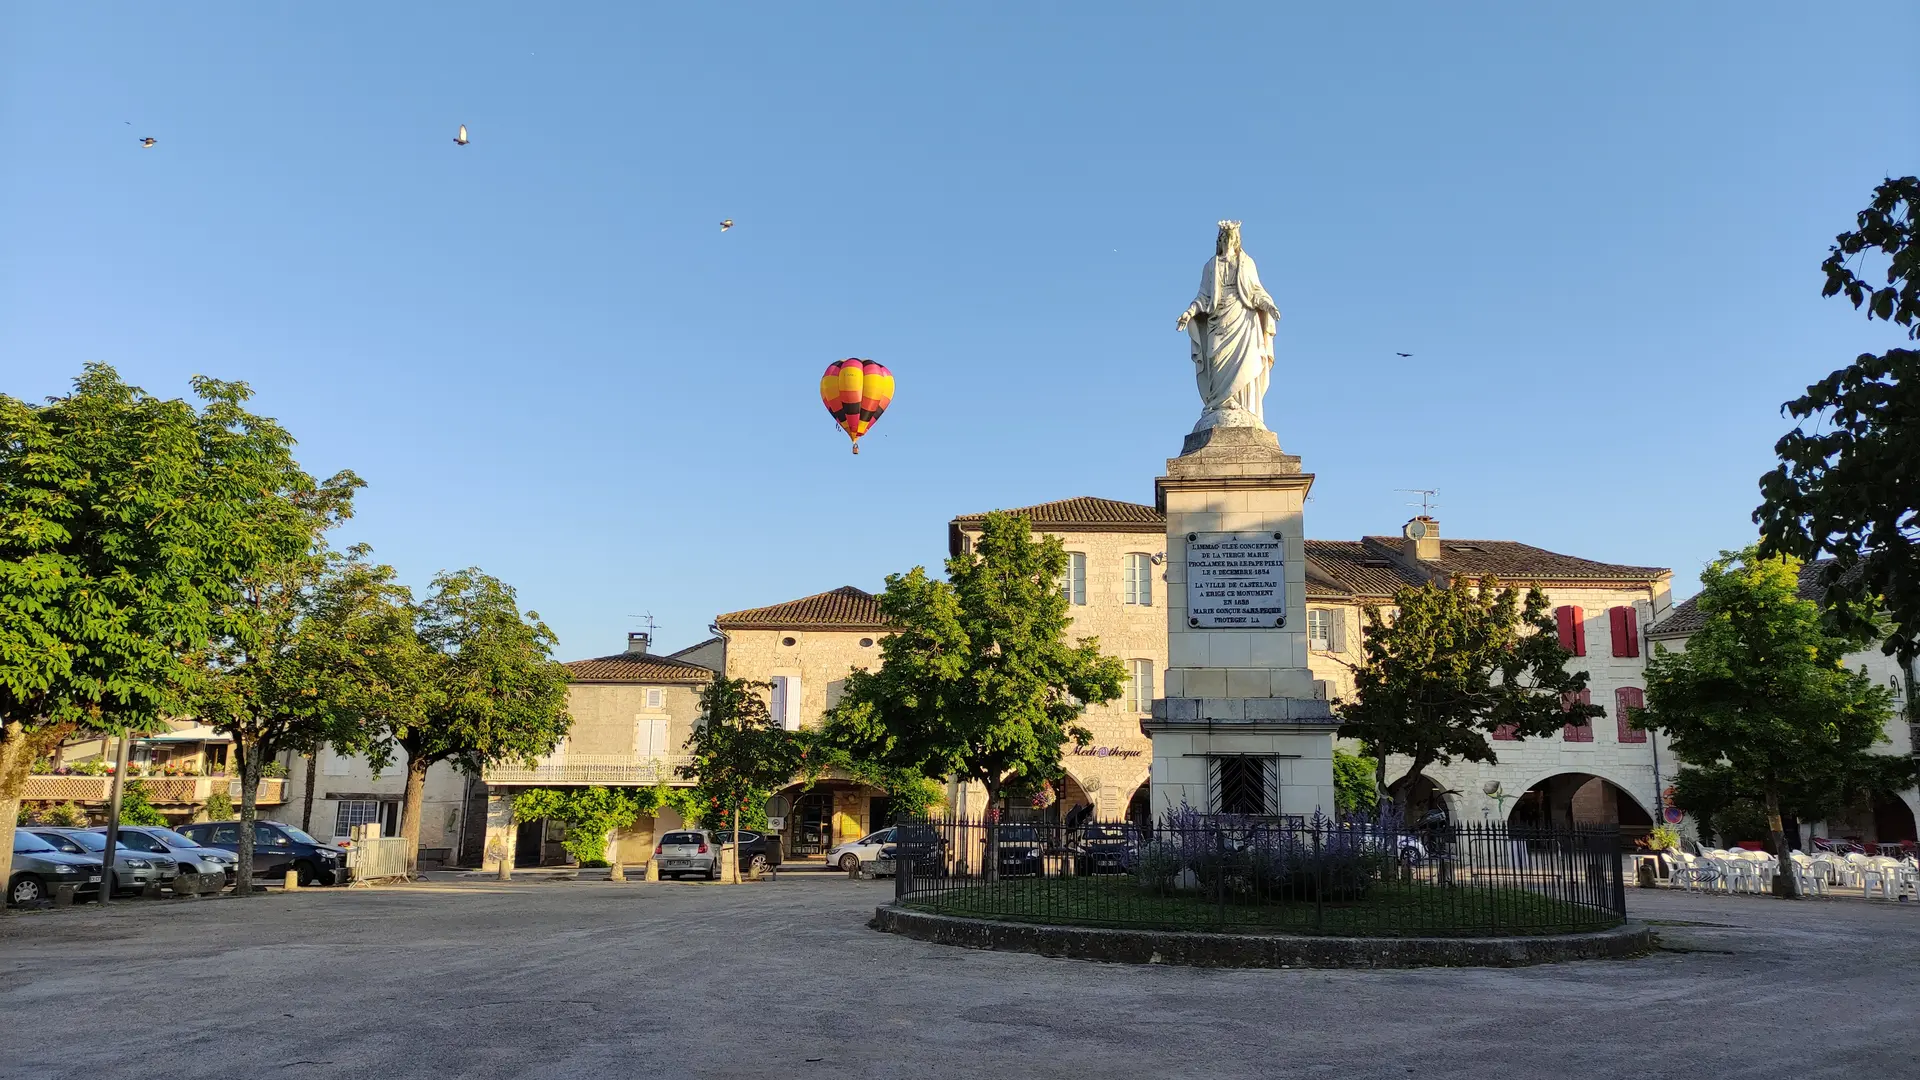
[[461, 139], [1403, 354], [146, 142], [727, 224]]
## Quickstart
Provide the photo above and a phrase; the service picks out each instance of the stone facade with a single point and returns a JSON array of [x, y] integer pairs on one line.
[[347, 792]]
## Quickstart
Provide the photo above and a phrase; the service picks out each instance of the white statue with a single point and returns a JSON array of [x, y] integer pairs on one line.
[[1231, 324]]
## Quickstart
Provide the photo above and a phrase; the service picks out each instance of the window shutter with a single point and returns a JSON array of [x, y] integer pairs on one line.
[[657, 734], [777, 699], [1626, 699], [1506, 733], [1146, 580], [1583, 730], [791, 719], [1626, 631], [1573, 629], [1337, 634]]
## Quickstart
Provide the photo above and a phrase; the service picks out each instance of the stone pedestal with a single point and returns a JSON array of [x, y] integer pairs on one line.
[[1237, 685]]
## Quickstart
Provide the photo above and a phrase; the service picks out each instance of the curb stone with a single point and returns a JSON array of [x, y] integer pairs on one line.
[[1630, 939]]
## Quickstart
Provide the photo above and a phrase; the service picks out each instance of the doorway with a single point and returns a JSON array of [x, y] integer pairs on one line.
[[529, 841]]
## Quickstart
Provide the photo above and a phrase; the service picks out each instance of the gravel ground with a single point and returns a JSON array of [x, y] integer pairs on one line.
[[469, 978]]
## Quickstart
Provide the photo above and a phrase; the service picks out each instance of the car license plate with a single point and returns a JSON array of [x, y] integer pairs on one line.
[[94, 880], [676, 862]]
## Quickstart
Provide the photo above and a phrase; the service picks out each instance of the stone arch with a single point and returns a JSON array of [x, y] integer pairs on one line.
[[1562, 798], [1097, 776]]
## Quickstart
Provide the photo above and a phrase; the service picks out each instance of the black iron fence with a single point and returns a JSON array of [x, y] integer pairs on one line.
[[1223, 872]]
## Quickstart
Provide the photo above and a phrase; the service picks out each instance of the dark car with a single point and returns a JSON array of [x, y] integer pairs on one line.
[[277, 848], [1103, 849], [39, 868], [1020, 851], [758, 851]]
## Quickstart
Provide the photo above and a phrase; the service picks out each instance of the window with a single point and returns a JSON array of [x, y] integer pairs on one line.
[[785, 704], [1319, 629], [650, 738], [656, 698], [1140, 685], [353, 812], [1626, 631], [1073, 584], [1136, 583], [1243, 784], [1625, 700], [335, 764], [1583, 730], [1573, 629], [1506, 733]]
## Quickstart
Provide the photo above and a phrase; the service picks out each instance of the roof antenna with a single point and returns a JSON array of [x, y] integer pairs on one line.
[[1426, 504], [647, 621]]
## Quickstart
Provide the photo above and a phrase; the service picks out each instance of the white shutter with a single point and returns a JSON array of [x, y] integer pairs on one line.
[[777, 703], [790, 716], [1337, 632], [334, 764], [657, 735]]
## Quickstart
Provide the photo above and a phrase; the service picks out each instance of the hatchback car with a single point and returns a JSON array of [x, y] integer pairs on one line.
[[277, 848], [688, 852], [758, 851], [39, 868], [850, 855], [193, 859], [1104, 849], [132, 870], [1020, 852]]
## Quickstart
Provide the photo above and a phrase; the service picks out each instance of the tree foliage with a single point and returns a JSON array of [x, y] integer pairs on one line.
[[978, 679], [589, 814], [136, 807], [739, 754], [129, 525], [473, 682], [1459, 662], [1850, 487], [1760, 704], [1354, 789]]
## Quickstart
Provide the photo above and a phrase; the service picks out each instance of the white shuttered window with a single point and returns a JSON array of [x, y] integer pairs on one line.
[[1073, 584], [1136, 585], [1140, 685]]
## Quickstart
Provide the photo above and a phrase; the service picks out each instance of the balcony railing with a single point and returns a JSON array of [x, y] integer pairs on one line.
[[614, 769], [163, 790]]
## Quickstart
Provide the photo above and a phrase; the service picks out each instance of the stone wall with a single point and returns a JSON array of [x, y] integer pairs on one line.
[[820, 659]]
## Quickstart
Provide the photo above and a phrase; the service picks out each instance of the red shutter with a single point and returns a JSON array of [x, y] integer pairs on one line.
[[1582, 731], [1626, 699], [1506, 733], [1626, 631], [1573, 629]]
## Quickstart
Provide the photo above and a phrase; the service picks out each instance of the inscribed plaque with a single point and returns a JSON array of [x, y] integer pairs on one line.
[[1236, 579]]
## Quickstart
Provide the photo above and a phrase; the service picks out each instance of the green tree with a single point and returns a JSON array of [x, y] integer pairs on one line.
[[739, 755], [590, 814], [128, 524], [256, 680], [489, 690], [136, 806], [978, 680], [1355, 790], [1458, 663], [1760, 701], [1850, 488]]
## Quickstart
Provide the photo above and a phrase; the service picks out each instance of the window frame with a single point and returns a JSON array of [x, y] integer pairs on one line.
[[1136, 579], [1136, 702], [1073, 583]]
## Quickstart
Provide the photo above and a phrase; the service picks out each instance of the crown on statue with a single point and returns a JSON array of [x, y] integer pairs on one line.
[[1229, 224]]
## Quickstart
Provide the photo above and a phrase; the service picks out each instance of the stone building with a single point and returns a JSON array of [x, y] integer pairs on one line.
[[804, 650], [632, 714], [347, 792], [1881, 820]]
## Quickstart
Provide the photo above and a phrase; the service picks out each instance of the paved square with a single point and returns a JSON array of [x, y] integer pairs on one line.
[[584, 979]]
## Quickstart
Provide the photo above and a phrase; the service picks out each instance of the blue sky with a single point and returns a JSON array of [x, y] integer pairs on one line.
[[1598, 233]]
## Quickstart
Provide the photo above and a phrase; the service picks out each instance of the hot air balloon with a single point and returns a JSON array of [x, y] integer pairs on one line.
[[856, 392]]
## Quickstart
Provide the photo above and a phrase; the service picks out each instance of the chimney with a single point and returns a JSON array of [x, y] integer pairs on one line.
[[637, 642], [1421, 539]]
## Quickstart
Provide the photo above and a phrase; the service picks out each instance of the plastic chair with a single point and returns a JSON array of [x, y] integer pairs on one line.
[[1688, 873], [1811, 876]]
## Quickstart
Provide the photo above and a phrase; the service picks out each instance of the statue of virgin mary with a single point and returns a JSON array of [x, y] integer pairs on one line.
[[1231, 325]]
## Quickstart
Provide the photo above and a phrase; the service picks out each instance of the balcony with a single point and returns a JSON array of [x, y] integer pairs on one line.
[[162, 790], [615, 770]]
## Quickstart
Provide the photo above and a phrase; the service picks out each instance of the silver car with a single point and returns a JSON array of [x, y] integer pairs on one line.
[[132, 870], [688, 851], [193, 859], [39, 868]]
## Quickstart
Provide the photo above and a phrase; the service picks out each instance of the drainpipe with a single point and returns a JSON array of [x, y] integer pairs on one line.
[[1653, 737]]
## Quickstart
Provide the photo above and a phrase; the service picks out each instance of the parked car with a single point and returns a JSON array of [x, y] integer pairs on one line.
[[687, 851], [850, 855], [758, 851], [1020, 853], [923, 844], [193, 858], [277, 848], [132, 870], [1103, 849], [40, 867]]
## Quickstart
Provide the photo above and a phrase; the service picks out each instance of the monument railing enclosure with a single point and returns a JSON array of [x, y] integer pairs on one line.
[[1197, 871]]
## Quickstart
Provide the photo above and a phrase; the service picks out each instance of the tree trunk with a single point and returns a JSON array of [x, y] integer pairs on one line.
[[16, 759], [992, 857], [1784, 882], [410, 810], [306, 805], [252, 763], [1379, 784]]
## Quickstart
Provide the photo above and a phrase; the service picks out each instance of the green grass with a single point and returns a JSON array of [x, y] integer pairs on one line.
[[1389, 910]]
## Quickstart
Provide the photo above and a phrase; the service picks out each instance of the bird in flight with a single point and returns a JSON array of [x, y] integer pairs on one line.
[[727, 224], [146, 142], [1403, 354], [461, 139]]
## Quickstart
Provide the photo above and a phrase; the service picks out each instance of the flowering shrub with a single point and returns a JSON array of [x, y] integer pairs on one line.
[[1263, 859]]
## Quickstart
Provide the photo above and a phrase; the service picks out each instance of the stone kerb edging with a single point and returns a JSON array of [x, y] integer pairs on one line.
[[1261, 950]]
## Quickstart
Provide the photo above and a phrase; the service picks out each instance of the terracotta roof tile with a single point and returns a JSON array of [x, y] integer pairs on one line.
[[1687, 617], [1082, 513], [637, 667], [1520, 562], [1350, 568], [845, 608]]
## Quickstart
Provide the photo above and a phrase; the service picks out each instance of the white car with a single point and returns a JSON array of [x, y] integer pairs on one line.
[[850, 855], [688, 851]]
